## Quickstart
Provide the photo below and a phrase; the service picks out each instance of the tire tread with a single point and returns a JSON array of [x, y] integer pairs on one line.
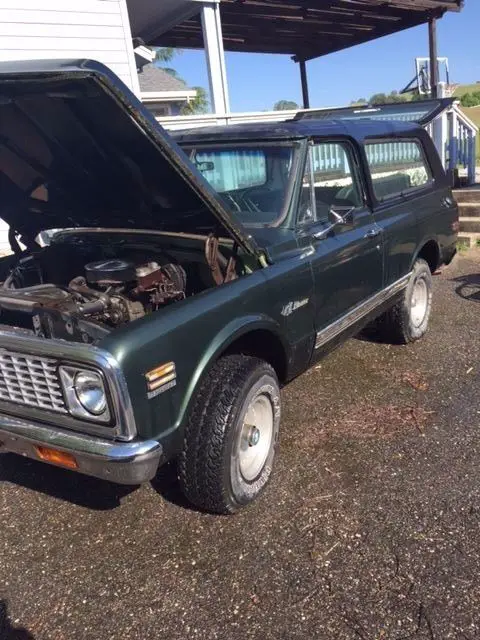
[[201, 464]]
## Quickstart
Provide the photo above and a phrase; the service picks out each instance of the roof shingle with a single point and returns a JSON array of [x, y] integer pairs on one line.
[[153, 79]]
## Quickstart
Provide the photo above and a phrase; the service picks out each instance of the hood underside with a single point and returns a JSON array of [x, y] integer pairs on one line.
[[78, 149]]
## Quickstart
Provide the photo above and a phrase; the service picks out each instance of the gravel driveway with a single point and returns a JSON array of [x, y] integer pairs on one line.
[[370, 529]]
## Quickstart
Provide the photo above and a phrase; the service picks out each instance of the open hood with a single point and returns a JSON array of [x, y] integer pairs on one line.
[[422, 112], [78, 149]]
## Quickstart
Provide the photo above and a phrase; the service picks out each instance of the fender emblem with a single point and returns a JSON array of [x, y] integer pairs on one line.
[[290, 307]]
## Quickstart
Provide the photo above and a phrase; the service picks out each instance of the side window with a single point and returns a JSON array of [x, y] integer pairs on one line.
[[233, 169], [330, 180], [397, 166]]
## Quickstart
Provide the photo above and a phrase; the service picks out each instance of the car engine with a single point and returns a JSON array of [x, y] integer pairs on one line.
[[110, 293]]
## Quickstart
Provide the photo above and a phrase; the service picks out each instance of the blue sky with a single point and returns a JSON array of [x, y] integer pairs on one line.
[[256, 81]]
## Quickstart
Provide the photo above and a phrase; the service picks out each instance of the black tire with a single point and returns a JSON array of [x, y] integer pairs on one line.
[[209, 466], [399, 324]]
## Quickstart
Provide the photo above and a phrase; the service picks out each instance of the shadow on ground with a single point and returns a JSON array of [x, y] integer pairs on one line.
[[468, 287], [60, 483], [9, 632], [166, 484]]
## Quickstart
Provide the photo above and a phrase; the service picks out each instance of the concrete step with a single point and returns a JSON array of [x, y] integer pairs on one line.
[[471, 195], [469, 239], [469, 210], [470, 225]]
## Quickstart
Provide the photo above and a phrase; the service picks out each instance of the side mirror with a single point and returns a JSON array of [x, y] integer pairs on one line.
[[340, 216]]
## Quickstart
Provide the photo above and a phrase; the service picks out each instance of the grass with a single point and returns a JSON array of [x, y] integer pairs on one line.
[[462, 89], [462, 246]]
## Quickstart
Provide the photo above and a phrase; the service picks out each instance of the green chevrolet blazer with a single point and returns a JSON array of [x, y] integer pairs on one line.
[[159, 292]]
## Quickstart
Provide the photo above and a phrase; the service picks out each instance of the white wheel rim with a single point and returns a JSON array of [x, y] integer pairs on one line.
[[419, 304], [256, 437]]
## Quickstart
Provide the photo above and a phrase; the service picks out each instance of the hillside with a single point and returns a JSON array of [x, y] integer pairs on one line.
[[462, 89]]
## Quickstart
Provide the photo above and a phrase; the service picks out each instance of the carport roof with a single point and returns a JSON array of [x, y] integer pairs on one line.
[[304, 29]]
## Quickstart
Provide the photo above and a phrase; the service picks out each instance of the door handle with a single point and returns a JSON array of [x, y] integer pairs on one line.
[[372, 233]]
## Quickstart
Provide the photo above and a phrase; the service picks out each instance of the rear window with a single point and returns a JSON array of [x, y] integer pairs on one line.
[[397, 167]]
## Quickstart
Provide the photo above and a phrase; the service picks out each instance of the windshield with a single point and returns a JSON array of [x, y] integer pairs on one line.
[[253, 179]]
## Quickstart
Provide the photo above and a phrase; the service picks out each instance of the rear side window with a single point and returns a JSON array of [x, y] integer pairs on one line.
[[397, 167]]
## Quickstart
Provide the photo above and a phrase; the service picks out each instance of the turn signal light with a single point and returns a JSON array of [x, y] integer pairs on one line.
[[57, 457], [160, 376]]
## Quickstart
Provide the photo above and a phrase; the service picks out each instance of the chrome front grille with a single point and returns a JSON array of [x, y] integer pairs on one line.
[[30, 380]]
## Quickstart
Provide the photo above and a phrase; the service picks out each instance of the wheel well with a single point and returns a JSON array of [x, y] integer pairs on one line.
[[430, 252], [263, 344]]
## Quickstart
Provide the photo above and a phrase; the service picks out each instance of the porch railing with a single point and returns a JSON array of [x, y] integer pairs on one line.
[[462, 143]]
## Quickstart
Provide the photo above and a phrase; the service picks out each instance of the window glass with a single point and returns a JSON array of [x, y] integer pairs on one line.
[[397, 166], [232, 169], [329, 181], [253, 180]]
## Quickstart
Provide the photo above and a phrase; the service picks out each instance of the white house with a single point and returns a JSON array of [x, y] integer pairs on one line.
[[96, 29], [162, 93]]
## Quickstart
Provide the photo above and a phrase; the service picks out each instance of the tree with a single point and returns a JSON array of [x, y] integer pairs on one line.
[[164, 54], [378, 98], [200, 104], [470, 99], [285, 105]]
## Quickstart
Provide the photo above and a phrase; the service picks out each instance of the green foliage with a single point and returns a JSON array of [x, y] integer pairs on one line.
[[285, 105], [388, 98], [164, 54], [200, 104], [392, 98], [470, 99]]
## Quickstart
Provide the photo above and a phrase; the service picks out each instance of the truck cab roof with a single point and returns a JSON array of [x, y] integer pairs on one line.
[[297, 129]]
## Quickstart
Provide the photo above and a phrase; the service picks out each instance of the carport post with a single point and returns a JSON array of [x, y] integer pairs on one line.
[[304, 79], [213, 42], [432, 37]]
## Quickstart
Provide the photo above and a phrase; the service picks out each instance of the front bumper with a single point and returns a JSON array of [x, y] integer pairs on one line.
[[122, 462]]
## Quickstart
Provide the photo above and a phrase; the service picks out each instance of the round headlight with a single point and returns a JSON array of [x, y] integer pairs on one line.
[[91, 392]]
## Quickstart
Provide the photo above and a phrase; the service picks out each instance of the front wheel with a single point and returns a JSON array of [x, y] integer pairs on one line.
[[408, 320], [231, 435]]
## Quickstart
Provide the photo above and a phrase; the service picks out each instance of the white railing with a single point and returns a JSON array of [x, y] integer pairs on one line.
[[461, 143]]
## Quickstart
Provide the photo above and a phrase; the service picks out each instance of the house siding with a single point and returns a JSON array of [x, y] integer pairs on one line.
[[95, 29]]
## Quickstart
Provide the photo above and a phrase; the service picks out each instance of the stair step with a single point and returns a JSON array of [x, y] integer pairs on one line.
[[470, 225], [464, 196], [469, 210]]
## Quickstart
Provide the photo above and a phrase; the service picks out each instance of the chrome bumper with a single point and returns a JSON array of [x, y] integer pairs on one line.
[[122, 462]]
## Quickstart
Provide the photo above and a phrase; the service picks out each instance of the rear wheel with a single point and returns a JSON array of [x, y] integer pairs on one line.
[[231, 435], [408, 320]]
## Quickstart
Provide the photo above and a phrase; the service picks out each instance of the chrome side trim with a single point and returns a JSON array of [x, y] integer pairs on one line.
[[336, 328], [75, 353]]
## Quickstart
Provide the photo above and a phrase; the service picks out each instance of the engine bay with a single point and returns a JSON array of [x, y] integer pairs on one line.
[[82, 288]]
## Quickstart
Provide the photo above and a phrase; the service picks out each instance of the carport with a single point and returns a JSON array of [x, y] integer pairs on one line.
[[303, 29]]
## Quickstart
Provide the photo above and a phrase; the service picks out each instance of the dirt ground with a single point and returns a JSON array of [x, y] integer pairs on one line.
[[369, 530]]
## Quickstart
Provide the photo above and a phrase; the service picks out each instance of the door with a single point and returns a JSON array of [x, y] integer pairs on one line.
[[337, 227]]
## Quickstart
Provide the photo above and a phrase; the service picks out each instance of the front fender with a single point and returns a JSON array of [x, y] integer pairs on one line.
[[221, 342]]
